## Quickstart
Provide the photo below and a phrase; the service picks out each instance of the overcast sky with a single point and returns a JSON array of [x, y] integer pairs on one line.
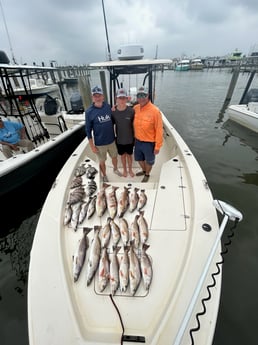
[[73, 32]]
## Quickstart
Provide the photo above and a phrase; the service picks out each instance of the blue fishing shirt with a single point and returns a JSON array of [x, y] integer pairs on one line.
[[99, 122], [10, 133]]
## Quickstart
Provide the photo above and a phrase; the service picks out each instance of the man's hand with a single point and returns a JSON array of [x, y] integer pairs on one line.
[[14, 147]]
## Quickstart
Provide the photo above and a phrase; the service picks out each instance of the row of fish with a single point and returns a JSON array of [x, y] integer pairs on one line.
[[111, 232], [126, 271], [127, 200], [82, 202]]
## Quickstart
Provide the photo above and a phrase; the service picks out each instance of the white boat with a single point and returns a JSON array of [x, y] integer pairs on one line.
[[183, 65], [184, 247], [196, 65], [245, 114], [35, 87], [21, 174]]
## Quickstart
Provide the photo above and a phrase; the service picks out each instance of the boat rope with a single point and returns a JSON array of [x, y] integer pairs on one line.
[[120, 318], [213, 284]]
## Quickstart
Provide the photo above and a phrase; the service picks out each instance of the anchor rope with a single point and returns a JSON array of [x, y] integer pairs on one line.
[[213, 276]]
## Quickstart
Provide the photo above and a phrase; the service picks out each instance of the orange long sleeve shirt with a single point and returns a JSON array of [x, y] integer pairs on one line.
[[148, 124]]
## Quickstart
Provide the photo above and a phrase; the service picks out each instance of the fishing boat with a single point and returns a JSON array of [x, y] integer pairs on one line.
[[24, 170], [235, 56], [36, 87], [170, 291], [196, 65], [246, 113], [183, 65]]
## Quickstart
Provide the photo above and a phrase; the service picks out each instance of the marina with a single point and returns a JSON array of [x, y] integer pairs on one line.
[[212, 157]]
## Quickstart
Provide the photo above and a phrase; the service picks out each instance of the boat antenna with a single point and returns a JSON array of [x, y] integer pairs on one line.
[[108, 46], [7, 32], [154, 84]]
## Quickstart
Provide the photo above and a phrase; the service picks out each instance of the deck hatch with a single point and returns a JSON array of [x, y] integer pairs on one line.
[[133, 338]]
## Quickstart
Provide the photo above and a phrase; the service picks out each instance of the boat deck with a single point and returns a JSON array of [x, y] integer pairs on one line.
[[178, 250]]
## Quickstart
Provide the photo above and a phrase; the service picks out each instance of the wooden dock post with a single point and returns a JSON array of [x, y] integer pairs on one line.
[[85, 90], [232, 84]]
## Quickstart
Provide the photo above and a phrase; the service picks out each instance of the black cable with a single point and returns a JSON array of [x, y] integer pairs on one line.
[[213, 275], [121, 321]]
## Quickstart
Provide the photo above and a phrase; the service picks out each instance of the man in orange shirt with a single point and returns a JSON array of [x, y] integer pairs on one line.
[[148, 131]]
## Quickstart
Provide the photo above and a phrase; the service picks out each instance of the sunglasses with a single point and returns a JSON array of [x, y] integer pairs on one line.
[[141, 95]]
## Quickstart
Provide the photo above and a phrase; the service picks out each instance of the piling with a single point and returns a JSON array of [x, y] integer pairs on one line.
[[232, 84], [102, 76], [85, 90], [231, 88]]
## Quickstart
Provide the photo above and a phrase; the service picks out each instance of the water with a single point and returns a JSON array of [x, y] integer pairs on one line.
[[228, 155]]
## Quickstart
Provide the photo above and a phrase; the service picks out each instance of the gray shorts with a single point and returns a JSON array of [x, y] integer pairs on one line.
[[111, 149]]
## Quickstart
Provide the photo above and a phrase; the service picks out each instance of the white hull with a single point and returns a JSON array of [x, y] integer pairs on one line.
[[36, 87], [179, 204], [245, 114]]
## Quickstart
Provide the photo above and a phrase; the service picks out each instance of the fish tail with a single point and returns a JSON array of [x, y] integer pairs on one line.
[[86, 230]]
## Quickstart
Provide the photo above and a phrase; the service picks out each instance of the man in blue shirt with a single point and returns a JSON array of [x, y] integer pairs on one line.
[[100, 131], [12, 137]]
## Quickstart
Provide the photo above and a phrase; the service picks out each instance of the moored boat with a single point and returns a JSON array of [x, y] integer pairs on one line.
[[245, 114], [183, 65], [36, 87], [20, 174], [183, 239], [196, 65]]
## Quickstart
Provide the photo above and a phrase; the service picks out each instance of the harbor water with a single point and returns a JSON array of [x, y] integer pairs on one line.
[[228, 154]]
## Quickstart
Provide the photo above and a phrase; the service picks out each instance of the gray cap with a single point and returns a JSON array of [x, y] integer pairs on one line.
[[121, 93]]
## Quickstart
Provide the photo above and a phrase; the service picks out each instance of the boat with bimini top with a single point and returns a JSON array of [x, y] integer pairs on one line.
[[128, 261]]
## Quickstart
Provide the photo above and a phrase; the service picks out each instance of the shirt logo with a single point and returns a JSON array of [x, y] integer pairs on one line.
[[104, 118]]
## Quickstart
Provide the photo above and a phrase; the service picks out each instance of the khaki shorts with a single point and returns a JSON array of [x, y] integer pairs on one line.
[[111, 149]]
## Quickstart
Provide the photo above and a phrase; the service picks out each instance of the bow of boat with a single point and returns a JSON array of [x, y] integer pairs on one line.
[[183, 228]]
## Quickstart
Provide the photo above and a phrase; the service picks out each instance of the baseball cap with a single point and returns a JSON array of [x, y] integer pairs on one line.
[[97, 89], [142, 90], [121, 93]]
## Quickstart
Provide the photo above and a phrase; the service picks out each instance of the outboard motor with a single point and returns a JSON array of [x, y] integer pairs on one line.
[[3, 57], [76, 103], [50, 105]]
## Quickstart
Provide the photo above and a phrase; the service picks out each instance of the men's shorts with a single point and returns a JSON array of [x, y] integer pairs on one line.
[[125, 149], [111, 149], [144, 151]]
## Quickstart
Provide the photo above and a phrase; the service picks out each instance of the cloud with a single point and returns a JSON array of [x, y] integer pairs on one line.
[[74, 32]]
